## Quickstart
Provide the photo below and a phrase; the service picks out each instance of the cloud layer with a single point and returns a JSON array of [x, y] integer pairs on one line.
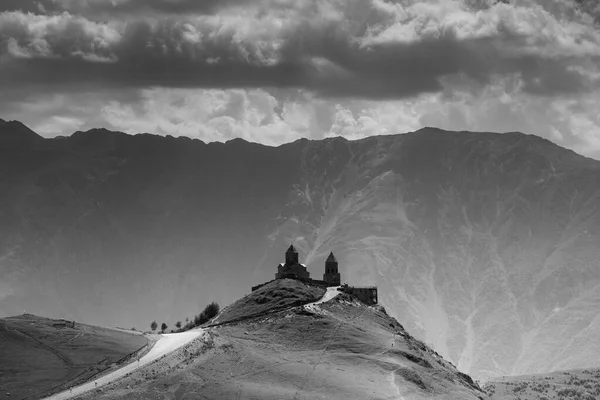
[[376, 52]]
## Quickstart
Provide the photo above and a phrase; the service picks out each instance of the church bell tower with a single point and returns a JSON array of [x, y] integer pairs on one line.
[[291, 256], [331, 275]]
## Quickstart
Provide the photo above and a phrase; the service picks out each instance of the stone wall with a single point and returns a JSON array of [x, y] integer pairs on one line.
[[367, 295]]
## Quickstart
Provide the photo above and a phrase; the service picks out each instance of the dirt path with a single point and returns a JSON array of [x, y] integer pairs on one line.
[[165, 345], [329, 294], [392, 379]]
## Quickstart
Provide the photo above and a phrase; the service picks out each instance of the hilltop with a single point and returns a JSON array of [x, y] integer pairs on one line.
[[485, 245], [340, 349], [41, 355], [277, 295]]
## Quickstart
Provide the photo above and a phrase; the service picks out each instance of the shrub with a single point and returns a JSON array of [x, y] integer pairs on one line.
[[153, 326], [211, 310], [198, 320]]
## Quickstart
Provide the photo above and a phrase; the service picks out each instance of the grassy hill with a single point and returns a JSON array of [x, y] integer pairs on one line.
[[277, 295], [39, 355], [581, 384], [341, 349]]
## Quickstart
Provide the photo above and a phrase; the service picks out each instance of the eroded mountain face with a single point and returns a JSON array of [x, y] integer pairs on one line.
[[486, 246]]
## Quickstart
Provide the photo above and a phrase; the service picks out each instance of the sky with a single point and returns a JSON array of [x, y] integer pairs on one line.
[[273, 71]]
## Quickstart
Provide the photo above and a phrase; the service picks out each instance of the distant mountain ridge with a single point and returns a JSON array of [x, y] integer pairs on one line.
[[13, 134], [483, 245]]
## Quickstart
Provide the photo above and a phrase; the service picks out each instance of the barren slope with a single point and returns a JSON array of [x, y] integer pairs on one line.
[[39, 354], [277, 295], [165, 345], [341, 350]]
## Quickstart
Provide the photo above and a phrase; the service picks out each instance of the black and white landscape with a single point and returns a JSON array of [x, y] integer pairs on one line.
[[484, 245], [156, 156]]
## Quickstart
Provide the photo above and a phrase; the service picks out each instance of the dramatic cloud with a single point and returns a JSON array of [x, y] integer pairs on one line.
[[366, 49], [104, 8], [333, 51]]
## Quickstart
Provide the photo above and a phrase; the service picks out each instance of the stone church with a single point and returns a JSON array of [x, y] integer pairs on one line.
[[294, 270]]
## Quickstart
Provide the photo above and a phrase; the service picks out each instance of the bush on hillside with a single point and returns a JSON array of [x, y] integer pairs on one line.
[[210, 311]]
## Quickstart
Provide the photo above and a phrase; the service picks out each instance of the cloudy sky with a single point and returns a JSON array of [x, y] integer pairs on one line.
[[273, 71]]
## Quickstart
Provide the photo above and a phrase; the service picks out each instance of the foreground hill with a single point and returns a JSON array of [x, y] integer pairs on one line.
[[486, 245], [275, 296], [563, 385], [40, 355], [340, 349]]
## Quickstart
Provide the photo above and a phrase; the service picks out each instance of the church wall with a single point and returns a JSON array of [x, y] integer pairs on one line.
[[292, 271], [367, 295]]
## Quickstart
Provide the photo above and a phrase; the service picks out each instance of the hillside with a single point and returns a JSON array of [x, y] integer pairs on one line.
[[562, 385], [340, 349], [277, 295], [40, 355], [484, 244]]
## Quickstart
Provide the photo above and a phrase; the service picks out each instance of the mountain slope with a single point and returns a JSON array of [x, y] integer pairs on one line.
[[38, 354], [15, 135], [484, 245], [340, 349]]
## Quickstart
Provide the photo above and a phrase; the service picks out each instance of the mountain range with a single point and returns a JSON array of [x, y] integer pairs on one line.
[[483, 245]]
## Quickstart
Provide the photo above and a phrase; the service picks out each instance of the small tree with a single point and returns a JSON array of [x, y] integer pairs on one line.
[[178, 325], [211, 310], [153, 326], [198, 320], [163, 327]]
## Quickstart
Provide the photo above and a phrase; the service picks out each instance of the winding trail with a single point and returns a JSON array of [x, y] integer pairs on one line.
[[329, 294], [392, 379], [165, 345]]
